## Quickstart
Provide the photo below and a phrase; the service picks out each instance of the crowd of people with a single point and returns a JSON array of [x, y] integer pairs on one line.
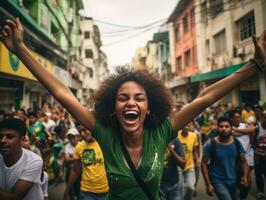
[[227, 143], [69, 152], [61, 144], [125, 135]]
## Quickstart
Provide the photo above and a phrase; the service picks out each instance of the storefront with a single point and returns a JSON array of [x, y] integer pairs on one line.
[[17, 83], [10, 93], [247, 93]]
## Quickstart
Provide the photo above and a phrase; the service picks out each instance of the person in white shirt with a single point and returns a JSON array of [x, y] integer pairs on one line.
[[20, 169], [73, 138], [48, 122], [241, 132], [44, 184]]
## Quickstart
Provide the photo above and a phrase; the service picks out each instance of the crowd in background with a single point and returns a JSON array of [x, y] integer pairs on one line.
[[248, 126], [53, 134]]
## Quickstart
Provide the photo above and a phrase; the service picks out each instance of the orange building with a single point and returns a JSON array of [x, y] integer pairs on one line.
[[183, 19]]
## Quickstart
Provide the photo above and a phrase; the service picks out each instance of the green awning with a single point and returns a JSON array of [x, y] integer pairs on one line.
[[220, 73]]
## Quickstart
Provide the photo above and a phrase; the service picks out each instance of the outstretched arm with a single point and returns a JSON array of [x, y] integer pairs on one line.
[[12, 38], [244, 131], [216, 91]]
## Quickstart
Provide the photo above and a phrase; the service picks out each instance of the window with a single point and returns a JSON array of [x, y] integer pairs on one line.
[[217, 6], [88, 53], [179, 63], [247, 26], [55, 32], [220, 42], [44, 20], [90, 72], [195, 53], [29, 7], [177, 32], [188, 58], [192, 16], [208, 50], [87, 35], [204, 13], [185, 23]]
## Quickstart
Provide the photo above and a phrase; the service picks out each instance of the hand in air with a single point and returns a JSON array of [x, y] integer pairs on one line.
[[12, 35], [260, 49]]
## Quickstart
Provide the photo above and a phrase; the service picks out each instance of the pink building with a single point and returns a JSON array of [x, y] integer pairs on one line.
[[183, 18]]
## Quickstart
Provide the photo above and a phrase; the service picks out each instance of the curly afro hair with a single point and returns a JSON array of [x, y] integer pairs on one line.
[[159, 97]]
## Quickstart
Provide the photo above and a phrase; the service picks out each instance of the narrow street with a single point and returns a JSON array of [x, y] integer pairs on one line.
[[56, 192], [81, 79]]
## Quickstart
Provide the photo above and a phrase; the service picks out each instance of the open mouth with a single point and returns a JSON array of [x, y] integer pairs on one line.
[[131, 116]]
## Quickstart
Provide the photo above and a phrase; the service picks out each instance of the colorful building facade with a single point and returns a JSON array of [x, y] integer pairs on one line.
[[49, 34]]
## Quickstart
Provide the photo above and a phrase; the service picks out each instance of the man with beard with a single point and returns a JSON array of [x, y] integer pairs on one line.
[[20, 169], [220, 164]]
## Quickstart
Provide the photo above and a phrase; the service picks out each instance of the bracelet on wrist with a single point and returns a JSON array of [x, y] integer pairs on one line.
[[259, 68]]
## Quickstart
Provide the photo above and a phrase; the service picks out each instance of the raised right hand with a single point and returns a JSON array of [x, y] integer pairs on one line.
[[12, 35], [260, 49]]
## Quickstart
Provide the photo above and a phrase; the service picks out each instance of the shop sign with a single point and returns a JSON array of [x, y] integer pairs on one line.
[[62, 74], [10, 64]]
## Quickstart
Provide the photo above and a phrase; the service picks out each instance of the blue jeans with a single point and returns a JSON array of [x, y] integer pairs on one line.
[[189, 180], [172, 192], [91, 196], [226, 192]]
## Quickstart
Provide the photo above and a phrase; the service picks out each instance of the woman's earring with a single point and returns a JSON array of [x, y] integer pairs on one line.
[[148, 112]]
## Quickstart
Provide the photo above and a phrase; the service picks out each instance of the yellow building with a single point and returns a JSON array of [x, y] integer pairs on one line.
[[17, 85]]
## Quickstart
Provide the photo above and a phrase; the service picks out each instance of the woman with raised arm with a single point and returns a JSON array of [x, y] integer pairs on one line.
[[131, 109]]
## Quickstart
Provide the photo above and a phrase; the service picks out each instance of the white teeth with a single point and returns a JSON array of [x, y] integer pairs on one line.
[[131, 112]]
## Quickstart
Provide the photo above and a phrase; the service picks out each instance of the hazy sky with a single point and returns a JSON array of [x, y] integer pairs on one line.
[[131, 16]]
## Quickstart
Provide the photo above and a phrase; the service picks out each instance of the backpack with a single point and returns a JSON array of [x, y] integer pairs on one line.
[[213, 152]]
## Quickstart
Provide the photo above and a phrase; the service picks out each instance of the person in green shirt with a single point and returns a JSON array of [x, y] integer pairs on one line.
[[131, 107], [36, 129]]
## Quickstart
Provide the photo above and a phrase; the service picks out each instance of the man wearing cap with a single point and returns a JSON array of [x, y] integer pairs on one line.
[[72, 135], [20, 169], [88, 154]]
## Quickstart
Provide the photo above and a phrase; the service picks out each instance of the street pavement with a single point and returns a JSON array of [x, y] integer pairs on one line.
[[56, 191]]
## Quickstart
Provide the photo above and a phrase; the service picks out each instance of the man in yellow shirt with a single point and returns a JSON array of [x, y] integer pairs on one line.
[[190, 144], [246, 113], [94, 184]]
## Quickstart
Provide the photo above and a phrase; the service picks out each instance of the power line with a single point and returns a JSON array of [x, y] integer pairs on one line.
[[126, 26], [133, 29], [131, 36], [125, 32]]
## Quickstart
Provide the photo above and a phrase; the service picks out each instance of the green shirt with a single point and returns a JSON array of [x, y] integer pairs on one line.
[[121, 181], [37, 130]]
